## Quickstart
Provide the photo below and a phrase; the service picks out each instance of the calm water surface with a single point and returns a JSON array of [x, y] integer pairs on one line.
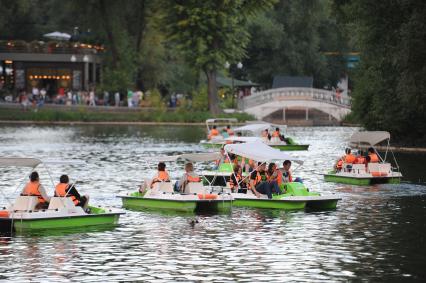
[[376, 234]]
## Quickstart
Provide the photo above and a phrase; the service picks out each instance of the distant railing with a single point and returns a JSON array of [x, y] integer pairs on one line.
[[299, 93], [51, 47]]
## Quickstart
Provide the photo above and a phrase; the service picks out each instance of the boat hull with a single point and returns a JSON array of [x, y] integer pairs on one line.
[[361, 181], [322, 204], [141, 203], [270, 204], [20, 225], [291, 147]]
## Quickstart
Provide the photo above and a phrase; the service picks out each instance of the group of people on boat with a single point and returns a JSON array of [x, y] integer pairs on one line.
[[63, 189], [262, 180], [224, 133], [163, 176], [358, 158], [274, 136]]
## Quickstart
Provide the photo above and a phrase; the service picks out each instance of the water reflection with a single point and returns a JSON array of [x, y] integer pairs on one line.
[[376, 234]]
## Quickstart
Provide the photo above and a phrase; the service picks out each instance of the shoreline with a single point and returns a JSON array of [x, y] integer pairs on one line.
[[122, 123]]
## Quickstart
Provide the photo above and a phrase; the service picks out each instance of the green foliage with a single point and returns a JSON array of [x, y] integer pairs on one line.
[[145, 115], [291, 40], [390, 90]]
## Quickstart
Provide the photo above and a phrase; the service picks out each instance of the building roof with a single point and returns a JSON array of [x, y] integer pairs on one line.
[[290, 81], [237, 83]]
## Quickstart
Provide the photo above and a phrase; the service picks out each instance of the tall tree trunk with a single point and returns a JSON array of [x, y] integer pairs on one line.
[[212, 92], [109, 31], [141, 25]]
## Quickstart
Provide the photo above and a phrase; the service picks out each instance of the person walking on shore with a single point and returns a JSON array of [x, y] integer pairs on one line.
[[117, 99]]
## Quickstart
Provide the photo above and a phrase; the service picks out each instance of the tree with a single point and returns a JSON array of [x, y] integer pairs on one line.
[[209, 33], [291, 39], [390, 90]]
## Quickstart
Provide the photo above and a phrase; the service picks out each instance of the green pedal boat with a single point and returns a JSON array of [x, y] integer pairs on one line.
[[296, 196], [371, 173], [197, 196], [61, 213]]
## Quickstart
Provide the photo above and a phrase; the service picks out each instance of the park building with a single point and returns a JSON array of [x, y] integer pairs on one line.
[[49, 65]]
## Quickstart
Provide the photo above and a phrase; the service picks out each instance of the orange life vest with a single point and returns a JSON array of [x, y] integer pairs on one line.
[[61, 191], [162, 176], [359, 160], [279, 177], [258, 179], [213, 133], [276, 134], [374, 158], [192, 179], [339, 164], [31, 189], [350, 158]]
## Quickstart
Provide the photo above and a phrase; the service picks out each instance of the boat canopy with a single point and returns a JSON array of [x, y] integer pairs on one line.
[[243, 139], [259, 151], [19, 162], [371, 138], [253, 128], [34, 162], [192, 157]]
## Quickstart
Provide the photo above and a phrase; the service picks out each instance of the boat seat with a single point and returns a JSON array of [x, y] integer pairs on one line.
[[60, 202], [379, 167], [25, 203], [163, 187], [195, 188], [358, 168], [275, 140]]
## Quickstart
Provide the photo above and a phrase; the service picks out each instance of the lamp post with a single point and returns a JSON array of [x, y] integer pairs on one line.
[[239, 65]]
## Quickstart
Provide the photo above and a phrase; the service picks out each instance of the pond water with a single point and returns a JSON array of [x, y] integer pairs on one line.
[[376, 234]]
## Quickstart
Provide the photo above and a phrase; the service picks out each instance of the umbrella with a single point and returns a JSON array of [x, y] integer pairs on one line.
[[58, 35]]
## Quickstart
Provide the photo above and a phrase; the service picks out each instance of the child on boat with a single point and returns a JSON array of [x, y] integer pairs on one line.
[[237, 181]]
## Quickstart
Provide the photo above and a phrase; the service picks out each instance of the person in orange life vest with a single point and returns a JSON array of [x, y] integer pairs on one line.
[[161, 176], [63, 188], [360, 159], [188, 177], [229, 130], [34, 188], [213, 133], [349, 157], [237, 181], [258, 181], [266, 135], [274, 177], [374, 158]]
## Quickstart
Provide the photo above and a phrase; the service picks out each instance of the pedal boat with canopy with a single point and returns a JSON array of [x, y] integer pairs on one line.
[[21, 214], [296, 196], [196, 197], [381, 172]]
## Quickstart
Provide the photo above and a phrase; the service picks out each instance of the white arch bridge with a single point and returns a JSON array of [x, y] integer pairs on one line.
[[261, 104]]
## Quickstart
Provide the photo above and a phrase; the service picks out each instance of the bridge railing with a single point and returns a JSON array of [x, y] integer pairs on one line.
[[299, 93]]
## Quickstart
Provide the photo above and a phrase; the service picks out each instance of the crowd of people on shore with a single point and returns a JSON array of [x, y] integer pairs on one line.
[[37, 97]]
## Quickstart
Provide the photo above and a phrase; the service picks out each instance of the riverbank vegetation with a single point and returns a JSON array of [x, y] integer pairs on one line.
[[181, 47], [85, 115]]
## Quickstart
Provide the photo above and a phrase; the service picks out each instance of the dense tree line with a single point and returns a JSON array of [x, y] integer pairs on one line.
[[389, 83], [181, 46]]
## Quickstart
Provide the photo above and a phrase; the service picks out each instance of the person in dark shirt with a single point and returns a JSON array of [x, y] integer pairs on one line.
[[259, 181], [63, 188]]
